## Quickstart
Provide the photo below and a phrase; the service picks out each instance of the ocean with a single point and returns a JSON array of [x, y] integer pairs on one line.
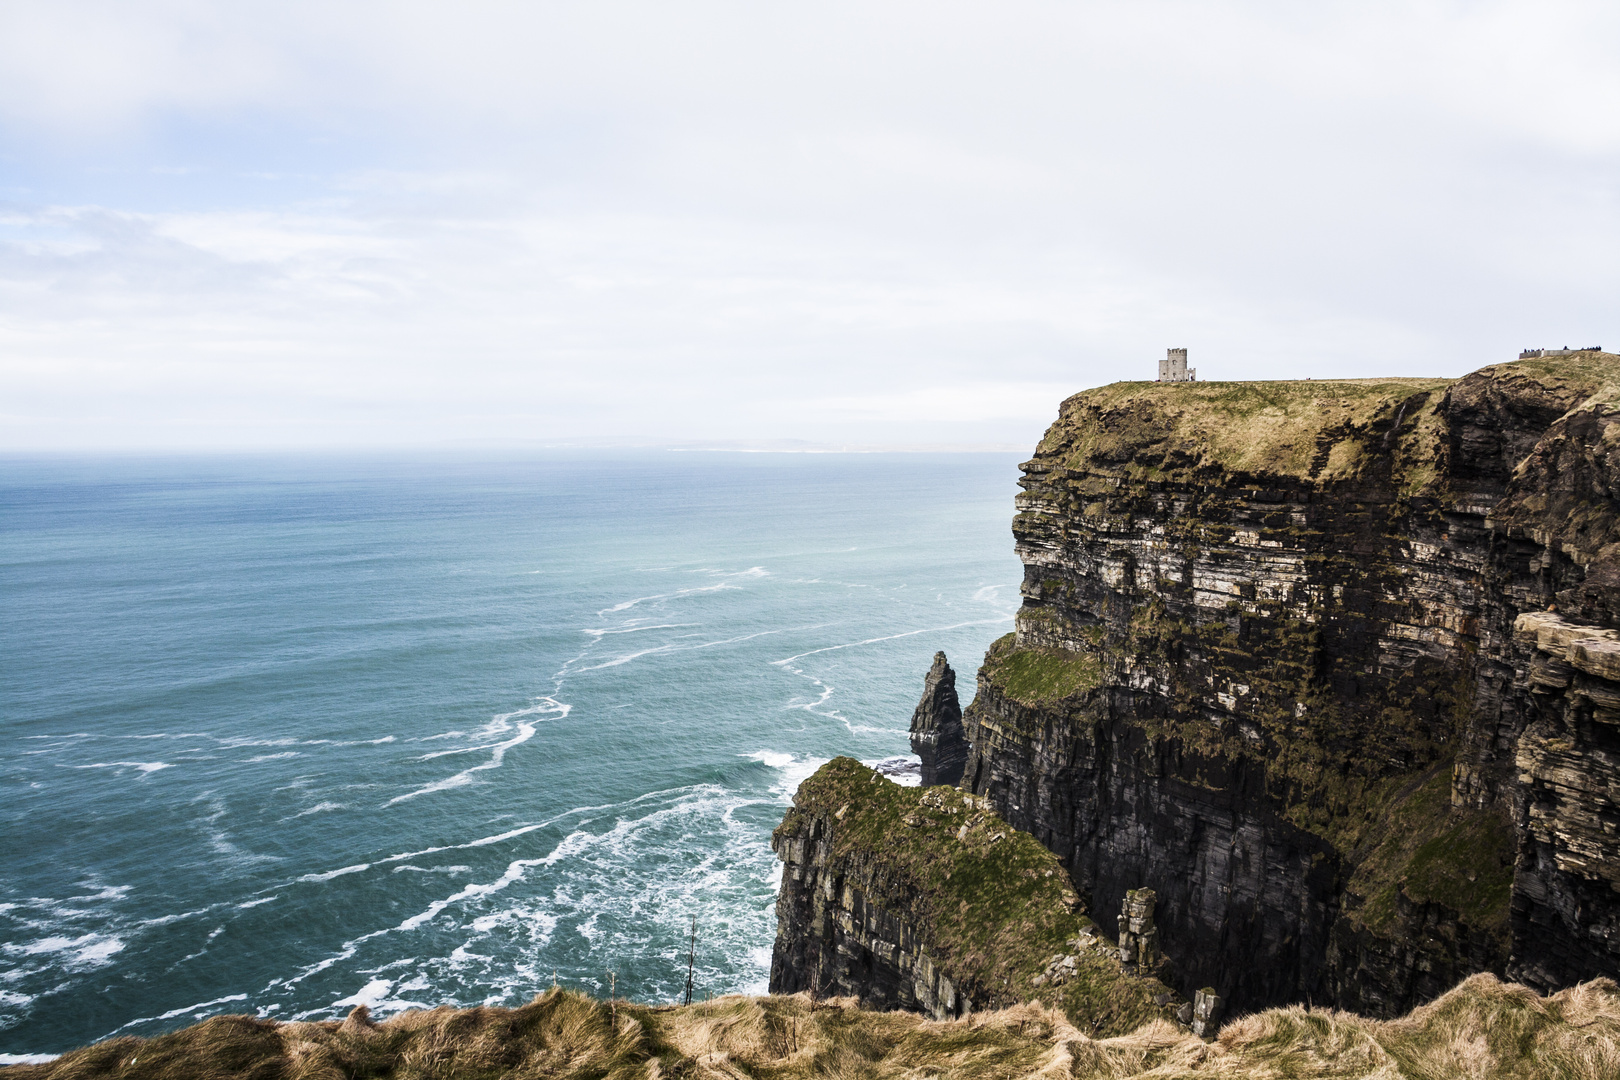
[[284, 735]]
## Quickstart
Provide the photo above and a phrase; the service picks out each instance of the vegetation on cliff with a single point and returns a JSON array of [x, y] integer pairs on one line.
[[1040, 676], [1265, 665], [1145, 431], [1319, 430], [993, 906], [1483, 1028], [1424, 850]]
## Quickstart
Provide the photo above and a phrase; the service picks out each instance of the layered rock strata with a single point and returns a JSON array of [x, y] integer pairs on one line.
[[936, 727], [1267, 666], [924, 899]]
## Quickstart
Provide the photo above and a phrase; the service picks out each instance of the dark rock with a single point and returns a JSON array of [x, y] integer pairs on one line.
[[936, 727], [1266, 665], [923, 899]]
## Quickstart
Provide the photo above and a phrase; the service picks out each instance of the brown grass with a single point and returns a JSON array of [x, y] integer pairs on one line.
[[1482, 1028]]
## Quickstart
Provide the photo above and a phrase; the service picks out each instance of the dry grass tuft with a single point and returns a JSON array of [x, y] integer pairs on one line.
[[1482, 1028]]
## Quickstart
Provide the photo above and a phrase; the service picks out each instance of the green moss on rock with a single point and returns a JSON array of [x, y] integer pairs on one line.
[[993, 906], [1433, 852], [1041, 676], [1149, 431]]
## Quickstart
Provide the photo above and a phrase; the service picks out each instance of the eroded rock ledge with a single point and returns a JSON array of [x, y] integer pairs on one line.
[[925, 899]]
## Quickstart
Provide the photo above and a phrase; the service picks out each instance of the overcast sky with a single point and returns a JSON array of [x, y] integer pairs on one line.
[[235, 225]]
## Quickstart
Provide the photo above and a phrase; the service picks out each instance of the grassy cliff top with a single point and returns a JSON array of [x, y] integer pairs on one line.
[[1276, 427], [993, 905], [1322, 430], [1481, 1028], [1589, 378]]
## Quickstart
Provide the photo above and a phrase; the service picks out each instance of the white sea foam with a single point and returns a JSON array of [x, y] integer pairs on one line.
[[893, 637], [348, 742], [273, 757], [751, 572], [371, 993], [514, 872], [106, 892], [376, 997], [144, 767], [165, 920], [196, 1009], [795, 769], [256, 903], [815, 707], [615, 662], [27, 1059], [330, 874], [594, 883], [84, 953], [498, 725], [320, 808], [903, 769], [639, 629], [220, 840]]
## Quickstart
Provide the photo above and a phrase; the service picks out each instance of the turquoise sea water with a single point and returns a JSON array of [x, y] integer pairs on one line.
[[286, 735]]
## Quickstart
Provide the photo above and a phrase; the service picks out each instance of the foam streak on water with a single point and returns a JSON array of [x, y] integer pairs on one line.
[[288, 736]]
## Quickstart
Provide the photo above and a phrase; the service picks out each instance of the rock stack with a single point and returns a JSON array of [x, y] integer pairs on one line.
[[1138, 937], [1206, 1010], [936, 727]]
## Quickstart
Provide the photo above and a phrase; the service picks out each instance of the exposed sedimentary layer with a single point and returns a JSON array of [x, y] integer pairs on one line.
[[1266, 665], [924, 899], [936, 727]]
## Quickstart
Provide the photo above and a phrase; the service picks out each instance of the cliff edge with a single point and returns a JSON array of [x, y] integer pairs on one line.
[[924, 899], [1271, 663]]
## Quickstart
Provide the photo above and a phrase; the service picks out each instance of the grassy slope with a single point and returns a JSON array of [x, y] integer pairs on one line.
[[1040, 676], [1482, 1028], [993, 904], [1154, 430]]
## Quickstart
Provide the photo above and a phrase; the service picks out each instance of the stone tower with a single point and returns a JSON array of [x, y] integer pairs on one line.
[[1173, 368]]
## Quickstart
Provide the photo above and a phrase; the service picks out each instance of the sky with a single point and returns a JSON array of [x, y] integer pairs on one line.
[[247, 226]]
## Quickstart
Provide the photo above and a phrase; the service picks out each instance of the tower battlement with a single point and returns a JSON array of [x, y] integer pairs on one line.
[[1173, 368]]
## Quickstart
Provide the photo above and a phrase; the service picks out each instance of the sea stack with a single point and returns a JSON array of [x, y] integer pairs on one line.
[[936, 727]]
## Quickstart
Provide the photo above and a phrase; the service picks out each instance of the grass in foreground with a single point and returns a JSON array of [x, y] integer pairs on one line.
[[1482, 1028]]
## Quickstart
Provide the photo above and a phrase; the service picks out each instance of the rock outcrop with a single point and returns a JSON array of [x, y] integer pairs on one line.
[[936, 727], [924, 899], [1267, 665]]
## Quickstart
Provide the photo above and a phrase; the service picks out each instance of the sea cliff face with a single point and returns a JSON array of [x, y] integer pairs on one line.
[[925, 900], [1271, 664], [936, 727]]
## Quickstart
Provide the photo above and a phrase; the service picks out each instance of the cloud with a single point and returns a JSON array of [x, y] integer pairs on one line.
[[382, 224]]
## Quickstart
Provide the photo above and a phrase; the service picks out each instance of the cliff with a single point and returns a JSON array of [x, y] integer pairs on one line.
[[1271, 663], [924, 899], [936, 727]]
